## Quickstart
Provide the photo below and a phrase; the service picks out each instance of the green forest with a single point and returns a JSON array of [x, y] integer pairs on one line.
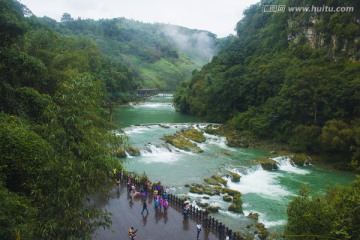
[[57, 78], [158, 55], [292, 79], [55, 143], [288, 78]]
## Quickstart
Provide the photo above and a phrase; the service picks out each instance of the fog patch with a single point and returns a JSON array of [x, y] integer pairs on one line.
[[198, 45]]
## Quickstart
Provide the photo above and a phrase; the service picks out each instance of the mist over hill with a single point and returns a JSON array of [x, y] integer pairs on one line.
[[159, 55]]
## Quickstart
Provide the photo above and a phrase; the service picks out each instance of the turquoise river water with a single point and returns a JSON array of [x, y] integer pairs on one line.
[[264, 192]]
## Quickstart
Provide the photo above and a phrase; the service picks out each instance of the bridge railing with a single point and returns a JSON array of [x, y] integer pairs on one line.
[[198, 214]]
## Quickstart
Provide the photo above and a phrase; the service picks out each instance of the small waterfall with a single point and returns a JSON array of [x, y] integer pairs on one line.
[[151, 149], [134, 130], [284, 163], [152, 105], [261, 182], [128, 155], [158, 153], [218, 141]]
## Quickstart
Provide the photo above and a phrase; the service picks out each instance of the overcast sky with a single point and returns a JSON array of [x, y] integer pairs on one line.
[[217, 16]]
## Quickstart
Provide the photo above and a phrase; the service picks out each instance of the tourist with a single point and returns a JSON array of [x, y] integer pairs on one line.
[[145, 207], [137, 180], [145, 186], [155, 193], [128, 186], [166, 204], [156, 203], [149, 187], [158, 187], [165, 195], [161, 203], [118, 185], [132, 233], [143, 195], [186, 213], [198, 229], [133, 188], [221, 229]]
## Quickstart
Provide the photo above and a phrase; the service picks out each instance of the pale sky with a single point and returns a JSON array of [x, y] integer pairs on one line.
[[217, 16]]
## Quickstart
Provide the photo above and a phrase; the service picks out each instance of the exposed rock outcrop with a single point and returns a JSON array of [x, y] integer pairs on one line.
[[193, 134], [180, 142], [268, 164], [300, 159], [234, 177], [133, 151]]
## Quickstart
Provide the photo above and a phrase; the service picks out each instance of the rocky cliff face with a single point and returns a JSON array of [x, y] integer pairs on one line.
[[341, 39]]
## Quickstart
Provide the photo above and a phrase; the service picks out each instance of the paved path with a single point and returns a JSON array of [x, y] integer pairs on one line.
[[126, 212]]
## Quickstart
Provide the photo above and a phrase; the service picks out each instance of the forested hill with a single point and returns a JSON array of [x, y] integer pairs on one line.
[[159, 55], [57, 147], [55, 137], [290, 77]]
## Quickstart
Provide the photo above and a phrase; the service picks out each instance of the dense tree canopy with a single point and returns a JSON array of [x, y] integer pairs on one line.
[[292, 78], [55, 140], [334, 215], [159, 55], [285, 72]]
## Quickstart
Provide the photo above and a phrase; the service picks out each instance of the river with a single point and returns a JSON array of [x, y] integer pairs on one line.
[[264, 192]]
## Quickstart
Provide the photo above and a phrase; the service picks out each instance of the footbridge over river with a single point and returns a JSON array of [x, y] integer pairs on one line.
[[147, 92], [150, 92]]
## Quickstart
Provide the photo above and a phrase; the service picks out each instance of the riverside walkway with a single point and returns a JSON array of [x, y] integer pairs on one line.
[[126, 212]]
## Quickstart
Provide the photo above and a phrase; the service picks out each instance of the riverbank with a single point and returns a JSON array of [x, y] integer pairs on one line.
[[236, 138]]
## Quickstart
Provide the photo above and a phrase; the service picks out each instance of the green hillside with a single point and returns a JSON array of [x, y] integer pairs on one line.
[[55, 138], [159, 55], [292, 79], [289, 77], [57, 147]]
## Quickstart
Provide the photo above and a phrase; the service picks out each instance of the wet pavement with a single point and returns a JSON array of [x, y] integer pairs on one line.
[[126, 212]]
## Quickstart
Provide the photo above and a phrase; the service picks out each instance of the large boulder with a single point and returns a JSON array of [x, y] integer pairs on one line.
[[193, 134], [133, 151], [268, 164], [180, 142], [213, 209], [212, 181], [236, 205], [234, 177], [196, 188], [219, 179], [262, 231], [254, 216], [300, 159], [227, 198], [236, 140], [205, 189], [202, 204], [120, 153]]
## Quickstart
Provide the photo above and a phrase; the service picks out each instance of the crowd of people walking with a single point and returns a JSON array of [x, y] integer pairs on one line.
[[148, 193]]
